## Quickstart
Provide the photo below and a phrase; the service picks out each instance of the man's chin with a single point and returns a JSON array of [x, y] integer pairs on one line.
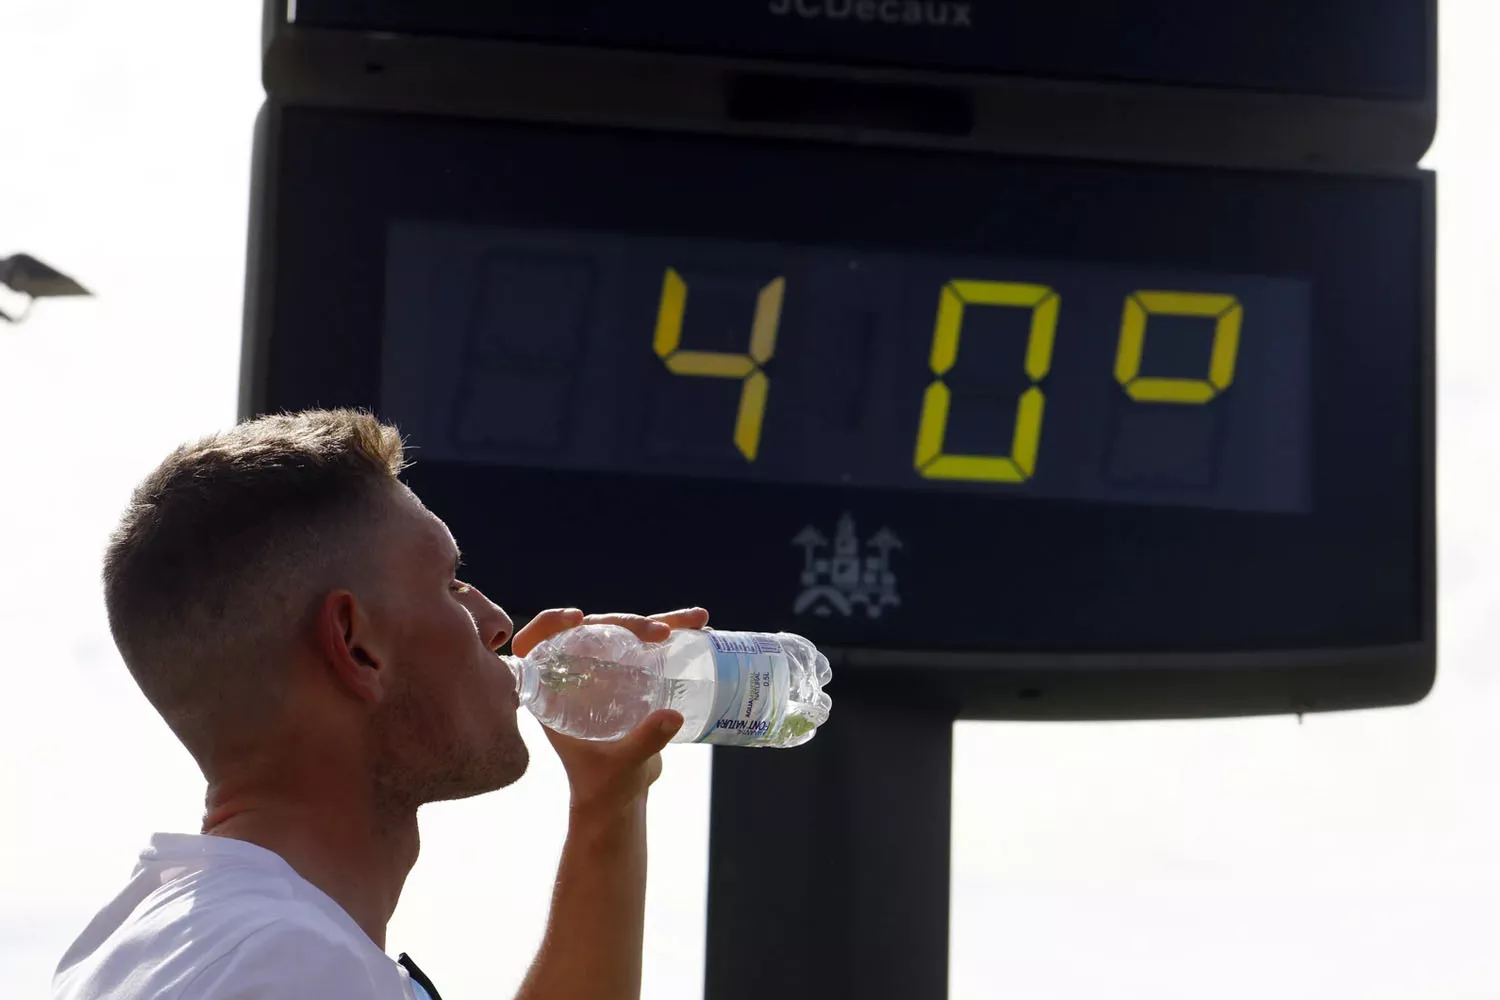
[[482, 774], [519, 763]]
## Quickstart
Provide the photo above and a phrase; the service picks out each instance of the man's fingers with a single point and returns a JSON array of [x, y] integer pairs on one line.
[[645, 629], [653, 629], [544, 626], [686, 618]]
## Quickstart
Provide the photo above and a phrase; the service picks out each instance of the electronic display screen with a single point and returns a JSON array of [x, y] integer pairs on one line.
[[824, 366], [890, 399]]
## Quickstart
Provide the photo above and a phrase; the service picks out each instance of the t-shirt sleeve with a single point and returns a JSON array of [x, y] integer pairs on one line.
[[292, 961]]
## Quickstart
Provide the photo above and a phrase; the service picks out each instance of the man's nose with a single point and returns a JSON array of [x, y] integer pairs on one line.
[[493, 623]]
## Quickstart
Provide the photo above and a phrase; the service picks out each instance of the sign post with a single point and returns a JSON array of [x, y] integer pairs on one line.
[[828, 869]]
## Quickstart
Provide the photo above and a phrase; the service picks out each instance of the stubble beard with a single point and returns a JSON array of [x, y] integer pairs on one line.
[[421, 760]]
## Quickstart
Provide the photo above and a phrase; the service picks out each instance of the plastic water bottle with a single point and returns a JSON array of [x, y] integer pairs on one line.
[[733, 688]]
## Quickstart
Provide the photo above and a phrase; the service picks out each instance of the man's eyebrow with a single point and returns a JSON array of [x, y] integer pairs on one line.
[[458, 559]]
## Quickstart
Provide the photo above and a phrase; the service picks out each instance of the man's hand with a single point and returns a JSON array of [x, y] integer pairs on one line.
[[592, 947], [606, 778]]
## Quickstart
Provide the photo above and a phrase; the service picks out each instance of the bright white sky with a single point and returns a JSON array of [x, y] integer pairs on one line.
[[1353, 856]]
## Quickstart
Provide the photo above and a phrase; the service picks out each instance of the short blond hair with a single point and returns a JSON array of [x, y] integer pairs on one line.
[[224, 551]]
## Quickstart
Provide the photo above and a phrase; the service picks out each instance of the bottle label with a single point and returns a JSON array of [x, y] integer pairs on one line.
[[751, 692]]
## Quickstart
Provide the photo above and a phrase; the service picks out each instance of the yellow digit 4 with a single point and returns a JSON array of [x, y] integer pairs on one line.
[[720, 364], [1227, 314], [1020, 464]]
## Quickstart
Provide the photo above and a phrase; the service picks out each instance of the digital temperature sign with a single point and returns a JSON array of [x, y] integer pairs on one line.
[[833, 367], [1017, 423]]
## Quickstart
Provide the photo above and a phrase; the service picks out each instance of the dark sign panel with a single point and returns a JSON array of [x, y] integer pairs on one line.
[[987, 417]]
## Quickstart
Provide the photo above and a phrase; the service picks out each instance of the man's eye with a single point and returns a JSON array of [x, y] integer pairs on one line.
[[459, 587]]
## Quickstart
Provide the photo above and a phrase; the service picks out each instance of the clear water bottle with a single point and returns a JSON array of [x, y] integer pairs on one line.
[[732, 688]]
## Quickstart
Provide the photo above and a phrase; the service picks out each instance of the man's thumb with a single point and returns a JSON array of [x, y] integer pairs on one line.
[[654, 733]]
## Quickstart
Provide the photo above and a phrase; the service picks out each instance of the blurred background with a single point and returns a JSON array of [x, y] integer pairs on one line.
[[1350, 855]]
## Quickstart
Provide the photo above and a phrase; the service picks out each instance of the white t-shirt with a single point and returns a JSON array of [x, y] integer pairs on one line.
[[210, 918]]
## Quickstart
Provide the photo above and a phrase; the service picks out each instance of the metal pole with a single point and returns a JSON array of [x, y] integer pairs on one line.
[[829, 863]]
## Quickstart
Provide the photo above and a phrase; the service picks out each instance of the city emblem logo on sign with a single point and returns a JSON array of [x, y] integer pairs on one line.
[[850, 575]]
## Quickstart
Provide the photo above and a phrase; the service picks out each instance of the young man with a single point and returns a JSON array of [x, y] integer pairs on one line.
[[295, 614]]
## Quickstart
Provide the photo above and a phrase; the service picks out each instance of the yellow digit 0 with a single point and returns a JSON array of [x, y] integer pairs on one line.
[[719, 364], [1020, 465], [1228, 316]]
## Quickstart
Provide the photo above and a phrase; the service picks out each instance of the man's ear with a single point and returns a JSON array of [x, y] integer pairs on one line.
[[350, 648]]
